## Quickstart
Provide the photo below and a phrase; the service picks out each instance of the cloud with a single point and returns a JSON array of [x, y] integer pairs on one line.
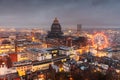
[[99, 2], [70, 12], [104, 2]]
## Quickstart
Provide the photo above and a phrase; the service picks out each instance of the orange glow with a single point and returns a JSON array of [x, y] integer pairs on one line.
[[71, 78], [42, 75], [100, 44], [100, 54], [33, 39]]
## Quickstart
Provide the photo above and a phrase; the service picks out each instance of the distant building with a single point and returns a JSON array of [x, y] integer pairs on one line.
[[55, 37], [75, 41], [79, 27], [22, 44], [38, 54], [22, 56], [6, 46], [34, 54], [56, 31], [68, 41]]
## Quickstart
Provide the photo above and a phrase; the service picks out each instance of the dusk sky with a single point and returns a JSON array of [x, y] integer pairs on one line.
[[41, 13]]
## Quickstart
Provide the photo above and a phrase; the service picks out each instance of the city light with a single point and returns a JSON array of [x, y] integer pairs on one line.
[[100, 41], [70, 54]]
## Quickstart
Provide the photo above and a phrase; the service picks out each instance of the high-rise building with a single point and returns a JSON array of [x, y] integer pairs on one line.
[[79, 26], [56, 31]]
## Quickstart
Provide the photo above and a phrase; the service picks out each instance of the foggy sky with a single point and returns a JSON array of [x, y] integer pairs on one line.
[[41, 13]]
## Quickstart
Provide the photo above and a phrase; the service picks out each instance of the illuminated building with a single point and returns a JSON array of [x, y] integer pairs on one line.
[[35, 35], [34, 54], [42, 66], [23, 44], [58, 51], [38, 54], [6, 46], [53, 51], [21, 56], [65, 50], [56, 31], [66, 67], [22, 67], [20, 45]]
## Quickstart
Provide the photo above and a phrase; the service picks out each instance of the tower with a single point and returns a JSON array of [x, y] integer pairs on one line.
[[33, 35], [79, 26], [56, 31], [69, 41]]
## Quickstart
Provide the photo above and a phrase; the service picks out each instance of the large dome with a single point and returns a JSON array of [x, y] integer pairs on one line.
[[56, 31], [56, 27]]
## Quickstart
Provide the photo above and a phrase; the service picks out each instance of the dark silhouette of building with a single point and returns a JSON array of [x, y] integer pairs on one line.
[[68, 41], [79, 27], [56, 31], [75, 41], [55, 37], [80, 41]]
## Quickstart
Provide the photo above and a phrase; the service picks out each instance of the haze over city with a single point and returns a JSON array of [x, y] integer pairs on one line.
[[39, 13], [59, 40]]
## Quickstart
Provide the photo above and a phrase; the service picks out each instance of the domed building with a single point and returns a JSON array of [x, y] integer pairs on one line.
[[56, 31]]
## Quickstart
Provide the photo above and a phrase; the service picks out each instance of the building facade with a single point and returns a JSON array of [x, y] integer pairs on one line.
[[56, 31]]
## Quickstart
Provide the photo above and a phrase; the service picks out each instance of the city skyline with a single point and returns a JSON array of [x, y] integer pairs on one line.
[[59, 40], [40, 13]]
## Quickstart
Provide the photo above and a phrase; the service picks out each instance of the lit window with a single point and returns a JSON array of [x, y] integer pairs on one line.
[[54, 55]]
